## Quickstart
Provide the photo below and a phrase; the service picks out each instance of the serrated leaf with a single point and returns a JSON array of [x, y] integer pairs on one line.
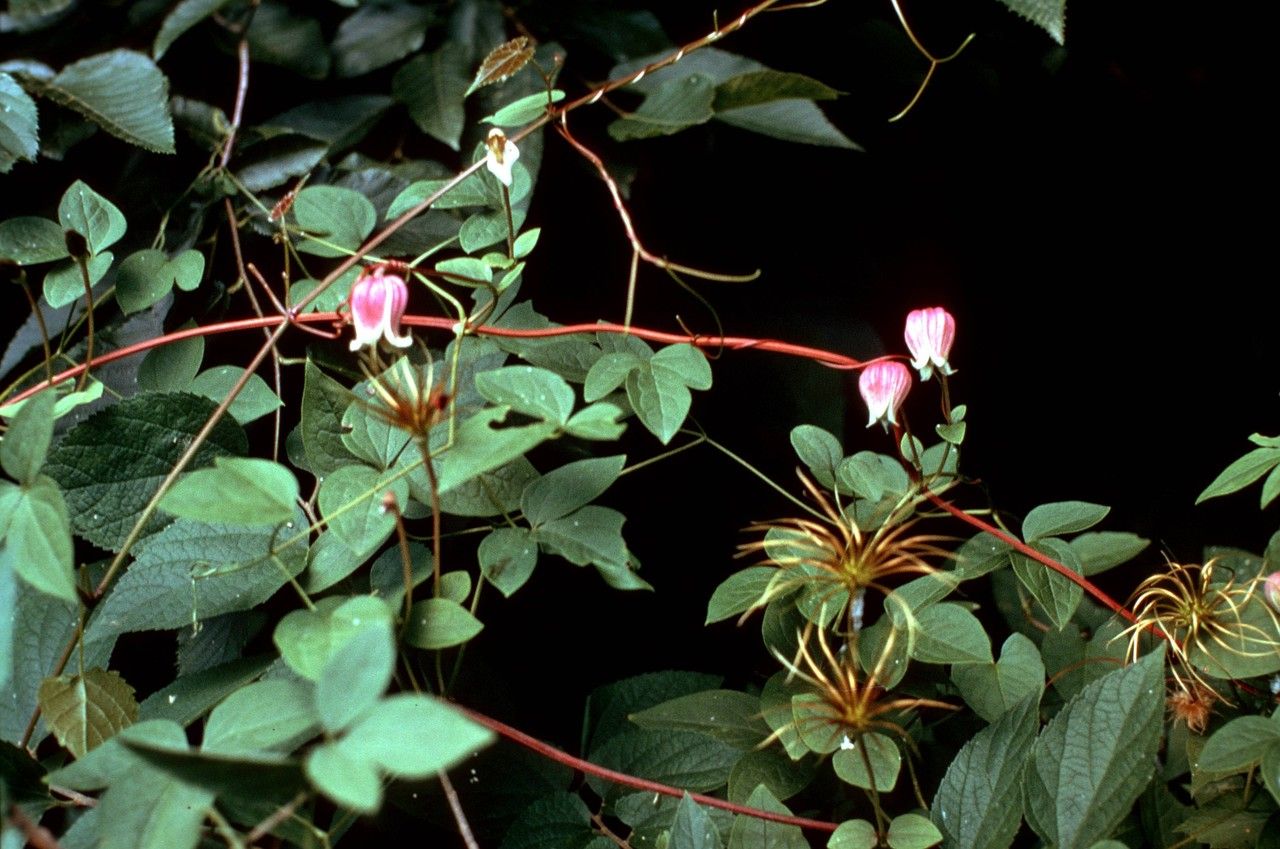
[[19, 125], [751, 833], [886, 762], [1057, 594], [609, 706], [1062, 517], [502, 62], [978, 803], [237, 490], [692, 828], [26, 444], [37, 544], [339, 218], [992, 689], [507, 558], [679, 758], [948, 633], [1241, 473], [1099, 551], [433, 87], [121, 91], [725, 715], [28, 240], [184, 16], [265, 716], [1095, 757], [193, 570], [526, 389], [556, 821], [675, 105], [307, 639], [773, 768], [765, 86], [138, 440], [323, 402], [85, 710], [1049, 15], [561, 491], [413, 736], [440, 623], [376, 35], [91, 215]]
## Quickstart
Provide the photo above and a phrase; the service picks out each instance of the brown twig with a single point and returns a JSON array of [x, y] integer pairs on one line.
[[459, 816]]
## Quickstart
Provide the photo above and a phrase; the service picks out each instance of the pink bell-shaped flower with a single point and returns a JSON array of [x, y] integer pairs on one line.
[[929, 335], [884, 386], [1271, 589], [377, 304]]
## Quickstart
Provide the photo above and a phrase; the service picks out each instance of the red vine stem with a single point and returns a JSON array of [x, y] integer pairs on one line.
[[733, 343], [1024, 549], [548, 751]]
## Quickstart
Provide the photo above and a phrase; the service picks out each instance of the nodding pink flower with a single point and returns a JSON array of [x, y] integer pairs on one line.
[[1271, 589], [929, 335], [500, 156], [884, 386], [377, 305]]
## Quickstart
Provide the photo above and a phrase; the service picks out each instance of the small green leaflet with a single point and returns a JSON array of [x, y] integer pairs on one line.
[[1246, 470], [237, 490]]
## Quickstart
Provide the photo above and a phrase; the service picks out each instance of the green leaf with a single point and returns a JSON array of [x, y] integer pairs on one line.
[[184, 16], [1270, 488], [470, 192], [1241, 473], [433, 86], [558, 821], [109, 763], [1239, 744], [679, 758], [64, 283], [872, 476], [29, 240], [240, 775], [798, 121], [8, 601], [27, 13], [323, 402], [533, 391], [592, 534], [948, 633], [196, 570], [766, 86], [854, 834], [818, 450], [724, 715], [238, 491], [609, 707], [912, 831], [351, 503], [266, 716], [673, 106], [1095, 757], [693, 828], [1063, 517], [992, 689], [85, 710], [773, 768], [978, 804], [522, 111], [341, 217], [412, 736], [561, 491], [26, 444], [171, 367], [193, 695], [660, 399], [139, 439], [307, 639], [145, 277], [280, 36], [337, 121], [466, 270], [881, 751], [492, 493], [344, 777], [684, 362], [121, 91], [439, 623], [740, 592], [1049, 15], [597, 421], [1099, 551], [378, 35], [152, 810], [507, 558], [1057, 594], [751, 833], [355, 677], [1270, 770], [38, 544], [92, 216], [19, 126], [609, 372], [479, 448]]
